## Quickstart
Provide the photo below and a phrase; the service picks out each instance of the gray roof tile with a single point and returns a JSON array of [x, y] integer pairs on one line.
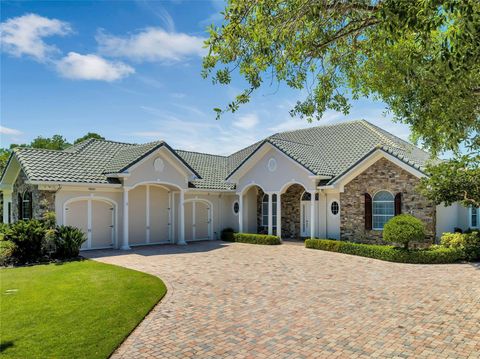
[[323, 150]]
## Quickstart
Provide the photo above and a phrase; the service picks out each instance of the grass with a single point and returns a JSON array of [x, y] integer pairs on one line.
[[81, 309]]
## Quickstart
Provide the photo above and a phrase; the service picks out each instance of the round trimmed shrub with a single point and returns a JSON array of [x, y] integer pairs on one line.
[[403, 229]]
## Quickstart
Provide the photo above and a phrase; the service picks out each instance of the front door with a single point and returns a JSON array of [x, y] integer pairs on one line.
[[305, 218]]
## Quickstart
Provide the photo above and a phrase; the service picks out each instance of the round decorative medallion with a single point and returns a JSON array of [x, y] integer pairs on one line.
[[272, 164], [158, 164]]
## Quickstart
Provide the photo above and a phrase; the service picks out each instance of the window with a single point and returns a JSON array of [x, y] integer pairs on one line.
[[236, 207], [383, 209], [307, 196], [334, 207], [272, 164], [474, 212], [265, 210], [25, 205]]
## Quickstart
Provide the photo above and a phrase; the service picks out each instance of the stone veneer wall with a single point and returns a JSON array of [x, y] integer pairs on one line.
[[382, 175], [290, 202], [42, 201], [291, 211]]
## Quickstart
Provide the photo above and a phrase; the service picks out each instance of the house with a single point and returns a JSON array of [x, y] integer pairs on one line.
[[338, 181]]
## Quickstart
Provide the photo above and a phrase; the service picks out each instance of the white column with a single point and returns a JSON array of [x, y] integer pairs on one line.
[[181, 237], [7, 198], [279, 215], [312, 214], [270, 214], [240, 213], [125, 245], [147, 211]]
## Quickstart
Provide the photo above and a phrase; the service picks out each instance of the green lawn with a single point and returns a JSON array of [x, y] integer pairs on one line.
[[78, 309]]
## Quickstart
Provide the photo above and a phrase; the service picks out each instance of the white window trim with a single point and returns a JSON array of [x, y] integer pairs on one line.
[[233, 208], [338, 203], [382, 215], [470, 214]]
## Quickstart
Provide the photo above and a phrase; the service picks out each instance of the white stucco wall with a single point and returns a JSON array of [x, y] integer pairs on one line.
[[145, 171]]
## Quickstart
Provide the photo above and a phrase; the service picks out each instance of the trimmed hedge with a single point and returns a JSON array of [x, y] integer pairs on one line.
[[256, 238], [432, 255]]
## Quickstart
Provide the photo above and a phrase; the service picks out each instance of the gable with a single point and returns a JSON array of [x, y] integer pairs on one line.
[[271, 169], [159, 166], [370, 160]]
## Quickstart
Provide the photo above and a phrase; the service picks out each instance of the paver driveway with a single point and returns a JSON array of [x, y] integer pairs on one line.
[[241, 300]]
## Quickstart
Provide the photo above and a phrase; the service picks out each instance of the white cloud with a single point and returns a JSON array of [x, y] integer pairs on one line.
[[92, 67], [247, 121], [9, 131], [24, 35], [151, 44]]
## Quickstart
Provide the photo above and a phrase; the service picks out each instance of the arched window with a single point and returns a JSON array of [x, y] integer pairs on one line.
[[25, 205], [383, 209], [265, 210]]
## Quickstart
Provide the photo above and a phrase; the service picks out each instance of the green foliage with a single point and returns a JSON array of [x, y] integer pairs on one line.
[[432, 255], [253, 238], [455, 180], [68, 241], [49, 219], [88, 136], [227, 235], [469, 243], [7, 248], [422, 58], [403, 229], [28, 237], [56, 142]]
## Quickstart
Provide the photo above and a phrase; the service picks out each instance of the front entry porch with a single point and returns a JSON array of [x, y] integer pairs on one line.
[[289, 213]]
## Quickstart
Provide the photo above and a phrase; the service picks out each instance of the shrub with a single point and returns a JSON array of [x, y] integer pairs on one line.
[[403, 229], [256, 238], [469, 243], [227, 235], [49, 219], [28, 237], [68, 241], [7, 249], [432, 255]]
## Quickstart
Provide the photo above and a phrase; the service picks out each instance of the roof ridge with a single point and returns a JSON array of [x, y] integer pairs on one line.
[[28, 148], [378, 132], [202, 153], [319, 126]]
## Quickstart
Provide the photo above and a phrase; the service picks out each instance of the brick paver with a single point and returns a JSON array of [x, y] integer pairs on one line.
[[250, 301]]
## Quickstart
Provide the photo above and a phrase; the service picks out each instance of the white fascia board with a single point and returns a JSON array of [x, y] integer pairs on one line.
[[75, 184], [206, 191]]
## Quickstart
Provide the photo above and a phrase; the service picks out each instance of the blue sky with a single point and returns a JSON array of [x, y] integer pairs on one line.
[[130, 70]]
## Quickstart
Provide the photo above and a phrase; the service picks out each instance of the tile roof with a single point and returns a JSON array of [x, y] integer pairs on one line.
[[323, 150]]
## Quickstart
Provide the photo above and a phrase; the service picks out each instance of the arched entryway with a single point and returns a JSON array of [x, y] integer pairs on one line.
[[96, 217], [291, 209]]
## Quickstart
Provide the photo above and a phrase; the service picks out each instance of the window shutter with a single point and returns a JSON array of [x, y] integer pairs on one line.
[[20, 207], [30, 204], [368, 211], [398, 203]]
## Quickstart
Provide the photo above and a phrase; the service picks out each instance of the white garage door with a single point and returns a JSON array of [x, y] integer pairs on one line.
[[95, 218]]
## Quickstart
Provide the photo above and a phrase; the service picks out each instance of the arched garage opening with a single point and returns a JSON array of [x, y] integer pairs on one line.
[[96, 217], [198, 220]]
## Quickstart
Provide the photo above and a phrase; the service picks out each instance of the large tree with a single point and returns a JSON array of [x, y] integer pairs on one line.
[[422, 58]]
